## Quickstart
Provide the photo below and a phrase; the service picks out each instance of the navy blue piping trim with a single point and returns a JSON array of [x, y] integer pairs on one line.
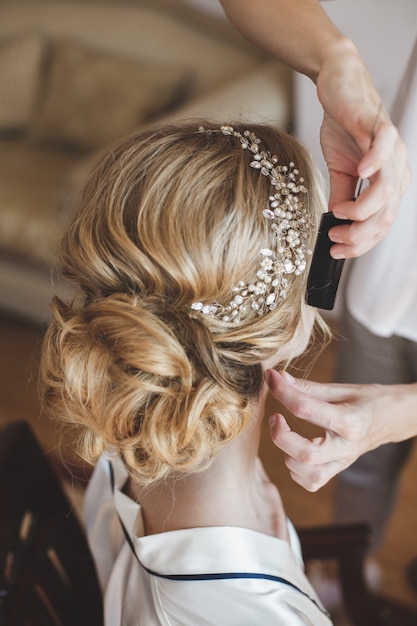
[[230, 576], [218, 576], [221, 576]]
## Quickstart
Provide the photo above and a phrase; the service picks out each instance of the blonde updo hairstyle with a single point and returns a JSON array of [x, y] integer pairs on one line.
[[169, 216]]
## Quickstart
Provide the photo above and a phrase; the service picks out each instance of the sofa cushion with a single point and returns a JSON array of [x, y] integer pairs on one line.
[[262, 96], [91, 98], [152, 31], [20, 64], [31, 184]]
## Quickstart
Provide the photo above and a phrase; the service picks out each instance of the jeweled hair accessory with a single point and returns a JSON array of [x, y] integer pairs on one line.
[[290, 226]]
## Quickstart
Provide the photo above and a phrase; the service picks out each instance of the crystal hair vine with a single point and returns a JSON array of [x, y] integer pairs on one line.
[[290, 223]]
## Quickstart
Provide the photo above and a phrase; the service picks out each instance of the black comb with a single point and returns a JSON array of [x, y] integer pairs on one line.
[[325, 272]]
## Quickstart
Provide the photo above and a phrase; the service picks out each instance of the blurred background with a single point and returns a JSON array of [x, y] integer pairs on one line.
[[74, 76]]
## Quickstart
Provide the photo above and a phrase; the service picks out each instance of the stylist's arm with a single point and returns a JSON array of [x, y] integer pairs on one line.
[[301, 35], [354, 419]]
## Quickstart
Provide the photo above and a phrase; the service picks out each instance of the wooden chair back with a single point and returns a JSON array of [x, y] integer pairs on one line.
[[47, 575], [348, 545]]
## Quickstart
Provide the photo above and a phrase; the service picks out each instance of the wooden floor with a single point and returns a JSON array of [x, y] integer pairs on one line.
[[19, 351]]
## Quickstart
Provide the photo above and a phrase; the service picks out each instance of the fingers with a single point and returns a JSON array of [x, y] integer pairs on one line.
[[299, 448], [372, 215], [310, 462], [375, 210], [346, 413], [353, 240], [313, 479], [383, 146], [281, 381], [343, 411], [380, 195], [312, 402], [303, 451], [353, 149]]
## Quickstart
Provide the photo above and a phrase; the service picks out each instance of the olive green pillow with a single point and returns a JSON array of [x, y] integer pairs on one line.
[[20, 69], [91, 98]]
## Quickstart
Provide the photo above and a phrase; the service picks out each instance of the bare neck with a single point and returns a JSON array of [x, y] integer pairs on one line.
[[233, 491]]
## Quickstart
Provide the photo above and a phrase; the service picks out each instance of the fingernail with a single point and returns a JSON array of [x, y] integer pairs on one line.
[[288, 376], [337, 255], [268, 377], [367, 172], [341, 215], [272, 421]]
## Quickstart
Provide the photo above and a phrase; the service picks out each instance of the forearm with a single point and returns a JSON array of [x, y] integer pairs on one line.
[[297, 32]]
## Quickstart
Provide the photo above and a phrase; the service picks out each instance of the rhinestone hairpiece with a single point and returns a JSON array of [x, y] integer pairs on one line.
[[290, 223]]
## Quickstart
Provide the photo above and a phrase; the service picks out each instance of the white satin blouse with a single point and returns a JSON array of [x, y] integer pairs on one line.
[[226, 576]]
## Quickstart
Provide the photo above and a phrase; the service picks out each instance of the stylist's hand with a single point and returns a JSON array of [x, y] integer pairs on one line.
[[310, 43], [353, 147], [355, 419]]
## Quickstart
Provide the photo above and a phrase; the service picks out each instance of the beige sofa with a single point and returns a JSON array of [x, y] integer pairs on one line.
[[76, 75]]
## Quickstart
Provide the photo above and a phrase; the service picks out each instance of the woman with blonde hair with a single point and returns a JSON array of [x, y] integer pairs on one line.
[[190, 249]]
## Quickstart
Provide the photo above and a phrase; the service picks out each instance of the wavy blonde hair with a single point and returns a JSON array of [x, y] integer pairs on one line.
[[169, 216]]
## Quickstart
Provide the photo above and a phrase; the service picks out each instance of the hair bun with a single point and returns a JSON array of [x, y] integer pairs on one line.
[[147, 384]]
